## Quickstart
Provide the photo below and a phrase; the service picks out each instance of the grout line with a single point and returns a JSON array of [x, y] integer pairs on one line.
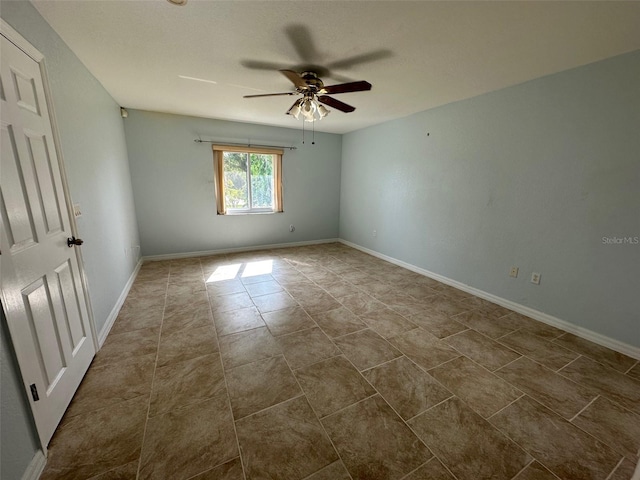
[[366, 327], [615, 468], [493, 373], [441, 364], [557, 370], [422, 441], [417, 468], [297, 331], [497, 339], [524, 468], [577, 352], [562, 419], [381, 364], [397, 414], [631, 367], [605, 442], [240, 331], [505, 407], [327, 466], [429, 374], [226, 386], [592, 357], [317, 419], [352, 404], [433, 458], [214, 467], [155, 368], [420, 413], [553, 340], [453, 334], [607, 394], [430, 408], [319, 361], [301, 394], [507, 364], [560, 369], [583, 408], [506, 435]]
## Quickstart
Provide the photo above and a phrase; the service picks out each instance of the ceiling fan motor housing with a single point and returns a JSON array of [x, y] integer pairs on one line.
[[313, 81]]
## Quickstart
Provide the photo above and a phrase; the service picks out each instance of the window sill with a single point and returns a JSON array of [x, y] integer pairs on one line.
[[234, 214]]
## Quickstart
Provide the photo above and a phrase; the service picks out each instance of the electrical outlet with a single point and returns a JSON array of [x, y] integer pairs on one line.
[[535, 278], [292, 228], [76, 210], [513, 272], [375, 233]]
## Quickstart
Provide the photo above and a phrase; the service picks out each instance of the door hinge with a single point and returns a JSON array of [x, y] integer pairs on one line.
[[34, 392]]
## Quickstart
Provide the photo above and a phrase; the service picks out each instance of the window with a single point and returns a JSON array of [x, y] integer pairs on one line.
[[248, 180]]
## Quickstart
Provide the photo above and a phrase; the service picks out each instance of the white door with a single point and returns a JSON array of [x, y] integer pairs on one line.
[[42, 290]]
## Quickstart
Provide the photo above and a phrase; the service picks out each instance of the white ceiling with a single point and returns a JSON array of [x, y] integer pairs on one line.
[[418, 55]]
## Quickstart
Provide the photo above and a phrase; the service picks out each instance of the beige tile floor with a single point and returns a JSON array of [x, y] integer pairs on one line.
[[324, 363]]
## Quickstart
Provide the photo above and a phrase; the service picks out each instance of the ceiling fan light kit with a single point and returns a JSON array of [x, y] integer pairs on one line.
[[310, 109]]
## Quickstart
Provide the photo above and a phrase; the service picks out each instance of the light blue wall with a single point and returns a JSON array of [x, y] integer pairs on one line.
[[534, 176], [95, 156], [172, 180]]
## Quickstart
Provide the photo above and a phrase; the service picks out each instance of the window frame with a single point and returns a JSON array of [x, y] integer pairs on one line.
[[218, 160], [248, 177]]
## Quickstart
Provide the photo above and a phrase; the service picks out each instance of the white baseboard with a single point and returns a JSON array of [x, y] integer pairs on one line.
[[204, 253], [36, 467], [582, 332], [102, 336]]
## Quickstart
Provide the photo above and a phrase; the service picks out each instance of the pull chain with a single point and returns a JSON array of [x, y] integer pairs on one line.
[[313, 136]]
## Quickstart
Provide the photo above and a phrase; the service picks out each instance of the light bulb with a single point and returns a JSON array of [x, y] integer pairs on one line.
[[322, 111], [295, 109], [307, 110], [307, 107]]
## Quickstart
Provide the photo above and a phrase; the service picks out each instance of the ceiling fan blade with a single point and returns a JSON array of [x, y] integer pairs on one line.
[[348, 87], [260, 65], [337, 77], [337, 104], [362, 58], [300, 37], [269, 95], [295, 78]]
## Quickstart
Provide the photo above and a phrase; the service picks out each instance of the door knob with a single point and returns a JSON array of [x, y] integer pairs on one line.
[[74, 241]]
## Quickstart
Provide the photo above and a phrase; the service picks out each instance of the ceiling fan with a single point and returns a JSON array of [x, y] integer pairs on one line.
[[314, 93], [311, 58]]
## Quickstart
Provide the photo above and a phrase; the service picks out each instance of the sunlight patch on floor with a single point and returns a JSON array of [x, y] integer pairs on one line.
[[263, 267], [225, 272]]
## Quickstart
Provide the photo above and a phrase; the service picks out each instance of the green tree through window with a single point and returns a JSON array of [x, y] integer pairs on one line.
[[248, 181]]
